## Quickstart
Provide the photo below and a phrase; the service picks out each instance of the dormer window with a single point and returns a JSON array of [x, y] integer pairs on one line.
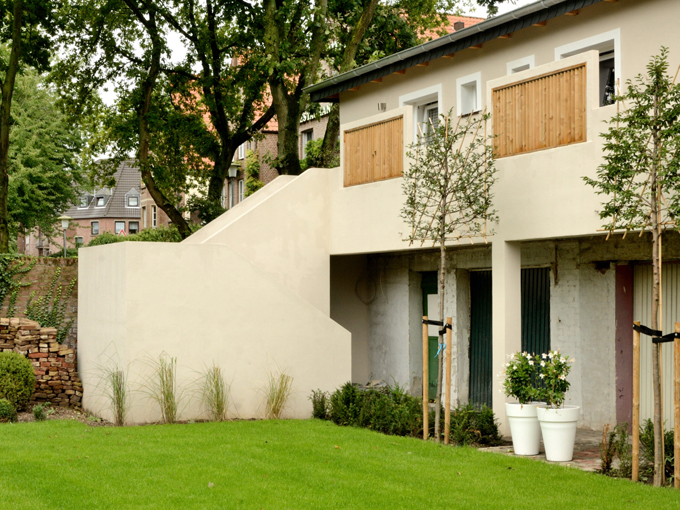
[[84, 202], [132, 198], [99, 202]]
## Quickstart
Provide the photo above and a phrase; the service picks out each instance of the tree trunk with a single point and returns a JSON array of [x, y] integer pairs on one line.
[[330, 137], [656, 361], [5, 108], [147, 88]]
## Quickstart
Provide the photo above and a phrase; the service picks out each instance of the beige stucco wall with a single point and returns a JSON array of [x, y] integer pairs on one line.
[[143, 299]]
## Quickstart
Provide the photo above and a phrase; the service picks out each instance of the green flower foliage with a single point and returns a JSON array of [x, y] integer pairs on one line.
[[7, 411], [519, 376], [553, 371], [17, 379], [50, 310]]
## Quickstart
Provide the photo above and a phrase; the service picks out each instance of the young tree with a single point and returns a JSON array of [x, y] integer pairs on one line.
[[448, 194], [640, 178], [26, 26]]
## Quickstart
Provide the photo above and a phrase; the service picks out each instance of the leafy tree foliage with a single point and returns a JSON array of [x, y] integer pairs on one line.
[[27, 27], [640, 179], [45, 172]]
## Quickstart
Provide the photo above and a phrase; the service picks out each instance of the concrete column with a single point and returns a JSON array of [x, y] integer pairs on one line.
[[506, 265]]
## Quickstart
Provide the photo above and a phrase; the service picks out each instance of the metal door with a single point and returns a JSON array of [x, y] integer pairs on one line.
[[431, 310], [536, 310], [481, 339]]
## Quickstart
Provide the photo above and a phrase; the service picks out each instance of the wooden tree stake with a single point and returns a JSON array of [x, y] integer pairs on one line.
[[676, 426], [426, 410], [636, 404], [447, 401]]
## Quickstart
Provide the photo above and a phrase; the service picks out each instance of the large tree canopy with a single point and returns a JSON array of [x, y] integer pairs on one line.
[[44, 169]]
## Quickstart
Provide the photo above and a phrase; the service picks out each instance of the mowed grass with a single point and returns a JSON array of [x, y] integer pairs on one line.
[[280, 465]]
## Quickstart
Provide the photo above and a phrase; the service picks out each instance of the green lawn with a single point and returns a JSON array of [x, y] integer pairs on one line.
[[279, 465]]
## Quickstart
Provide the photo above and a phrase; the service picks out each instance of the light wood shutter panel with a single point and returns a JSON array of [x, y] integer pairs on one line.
[[540, 113], [374, 152]]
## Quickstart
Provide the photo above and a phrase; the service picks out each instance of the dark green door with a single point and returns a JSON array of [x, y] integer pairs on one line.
[[481, 339], [429, 285], [536, 310]]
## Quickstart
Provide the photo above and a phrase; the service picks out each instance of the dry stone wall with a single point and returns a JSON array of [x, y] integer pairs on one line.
[[54, 364]]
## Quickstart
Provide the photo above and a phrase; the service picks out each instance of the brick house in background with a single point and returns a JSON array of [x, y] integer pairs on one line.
[[116, 209]]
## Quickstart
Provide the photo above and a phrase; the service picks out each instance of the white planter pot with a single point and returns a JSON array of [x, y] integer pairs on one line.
[[524, 427], [558, 427]]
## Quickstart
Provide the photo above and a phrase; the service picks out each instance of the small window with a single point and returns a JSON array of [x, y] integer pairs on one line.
[[231, 194], [120, 227], [522, 64], [428, 119], [133, 201], [223, 196], [95, 228], [145, 221], [240, 191], [469, 94], [153, 216], [133, 227], [78, 240], [242, 151], [84, 202], [100, 202], [307, 136]]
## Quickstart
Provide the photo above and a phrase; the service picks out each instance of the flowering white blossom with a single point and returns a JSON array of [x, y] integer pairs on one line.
[[551, 355], [542, 376], [562, 359], [542, 363], [562, 377], [545, 356], [531, 362]]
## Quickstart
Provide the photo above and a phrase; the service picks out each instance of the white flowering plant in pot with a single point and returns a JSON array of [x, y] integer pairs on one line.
[[519, 376], [553, 371]]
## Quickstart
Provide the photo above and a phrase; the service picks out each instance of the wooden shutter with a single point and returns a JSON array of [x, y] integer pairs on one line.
[[540, 113], [374, 152]]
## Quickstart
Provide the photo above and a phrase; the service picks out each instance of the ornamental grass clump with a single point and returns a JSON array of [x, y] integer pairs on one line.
[[277, 392], [215, 393], [519, 377], [161, 387], [552, 372], [117, 393]]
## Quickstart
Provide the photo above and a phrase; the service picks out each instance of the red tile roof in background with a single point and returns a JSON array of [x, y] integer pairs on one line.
[[467, 20]]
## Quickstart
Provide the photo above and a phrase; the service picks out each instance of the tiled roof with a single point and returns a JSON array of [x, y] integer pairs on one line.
[[128, 179], [467, 21]]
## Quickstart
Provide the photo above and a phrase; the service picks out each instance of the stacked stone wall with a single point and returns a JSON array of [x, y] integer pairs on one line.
[[54, 364]]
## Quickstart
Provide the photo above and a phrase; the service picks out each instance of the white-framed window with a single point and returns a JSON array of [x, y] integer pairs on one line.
[[153, 216], [145, 221], [94, 228], [521, 64], [428, 119], [423, 101], [99, 201], [307, 136], [133, 227], [223, 196], [84, 202], [133, 201], [119, 226], [608, 45], [469, 94], [240, 190], [231, 194], [242, 151]]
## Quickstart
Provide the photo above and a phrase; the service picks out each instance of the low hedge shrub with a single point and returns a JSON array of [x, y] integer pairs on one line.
[[392, 410], [17, 379], [7, 411]]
